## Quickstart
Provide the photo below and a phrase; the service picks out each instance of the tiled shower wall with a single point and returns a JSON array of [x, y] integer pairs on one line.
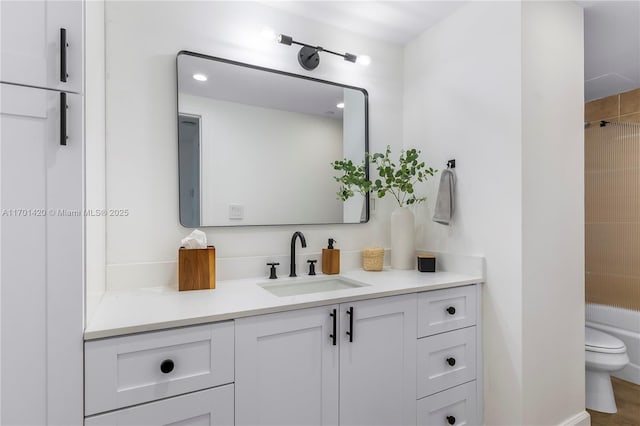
[[612, 201]]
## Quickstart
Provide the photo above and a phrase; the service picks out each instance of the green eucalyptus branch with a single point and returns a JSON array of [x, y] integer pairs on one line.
[[352, 177], [396, 179]]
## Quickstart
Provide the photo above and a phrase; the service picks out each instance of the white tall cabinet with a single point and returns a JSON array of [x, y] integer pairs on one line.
[[41, 216], [30, 47], [290, 371]]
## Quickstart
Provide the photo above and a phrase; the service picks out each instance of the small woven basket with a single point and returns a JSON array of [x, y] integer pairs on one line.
[[373, 259]]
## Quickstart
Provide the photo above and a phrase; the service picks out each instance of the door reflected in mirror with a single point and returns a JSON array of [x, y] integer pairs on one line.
[[255, 145]]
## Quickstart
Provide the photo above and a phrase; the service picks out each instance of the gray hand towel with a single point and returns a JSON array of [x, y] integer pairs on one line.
[[444, 203]]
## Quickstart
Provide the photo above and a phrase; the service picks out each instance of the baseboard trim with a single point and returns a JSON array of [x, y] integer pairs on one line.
[[581, 419]]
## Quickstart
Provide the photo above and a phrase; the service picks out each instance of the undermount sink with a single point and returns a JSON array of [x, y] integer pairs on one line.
[[297, 286]]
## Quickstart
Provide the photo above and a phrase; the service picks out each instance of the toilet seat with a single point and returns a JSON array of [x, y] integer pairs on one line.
[[598, 341]]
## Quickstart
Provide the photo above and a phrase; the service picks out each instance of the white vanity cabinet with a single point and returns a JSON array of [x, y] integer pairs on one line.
[[297, 367], [409, 359], [179, 376], [211, 407], [42, 43], [448, 357]]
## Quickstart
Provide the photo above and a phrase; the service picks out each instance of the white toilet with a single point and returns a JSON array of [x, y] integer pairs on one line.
[[604, 354]]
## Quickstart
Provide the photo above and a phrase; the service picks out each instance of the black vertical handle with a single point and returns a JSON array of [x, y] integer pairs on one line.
[[350, 332], [63, 118], [63, 55], [335, 317]]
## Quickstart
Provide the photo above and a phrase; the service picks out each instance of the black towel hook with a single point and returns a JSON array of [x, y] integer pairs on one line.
[[451, 164]]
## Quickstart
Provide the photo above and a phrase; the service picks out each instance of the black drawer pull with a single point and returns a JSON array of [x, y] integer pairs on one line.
[[63, 55], [350, 332], [451, 361], [451, 420], [63, 119], [167, 366], [451, 310], [334, 335]]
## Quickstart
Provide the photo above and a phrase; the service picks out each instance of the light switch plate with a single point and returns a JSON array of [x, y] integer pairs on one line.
[[236, 211]]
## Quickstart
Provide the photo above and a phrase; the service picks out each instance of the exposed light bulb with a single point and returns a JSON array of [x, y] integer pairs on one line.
[[363, 60], [200, 77], [340, 105], [268, 34]]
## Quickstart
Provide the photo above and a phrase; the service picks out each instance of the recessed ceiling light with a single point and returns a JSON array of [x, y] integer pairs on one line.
[[200, 77], [340, 105]]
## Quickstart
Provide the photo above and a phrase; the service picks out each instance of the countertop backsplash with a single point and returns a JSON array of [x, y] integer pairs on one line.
[[165, 274]]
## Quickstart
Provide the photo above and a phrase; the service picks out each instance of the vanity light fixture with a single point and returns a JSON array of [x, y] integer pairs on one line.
[[363, 60], [268, 34], [200, 77], [309, 56], [340, 105]]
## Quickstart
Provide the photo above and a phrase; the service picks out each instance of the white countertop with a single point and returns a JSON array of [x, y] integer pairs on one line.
[[147, 309]]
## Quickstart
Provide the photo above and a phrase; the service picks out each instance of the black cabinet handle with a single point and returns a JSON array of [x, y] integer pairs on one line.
[[335, 318], [63, 118], [451, 310], [451, 361], [63, 55], [350, 332], [451, 420], [167, 366]]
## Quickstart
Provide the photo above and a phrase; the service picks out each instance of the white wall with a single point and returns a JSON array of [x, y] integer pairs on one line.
[[142, 134], [463, 101], [237, 142], [498, 87], [95, 191], [553, 211]]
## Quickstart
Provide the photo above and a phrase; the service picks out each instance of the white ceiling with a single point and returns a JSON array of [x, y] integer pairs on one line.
[[612, 32], [611, 47], [392, 21]]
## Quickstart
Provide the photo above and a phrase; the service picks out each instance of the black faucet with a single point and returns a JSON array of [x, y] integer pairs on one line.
[[293, 250]]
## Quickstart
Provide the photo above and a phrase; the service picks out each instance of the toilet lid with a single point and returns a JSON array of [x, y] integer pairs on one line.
[[599, 341]]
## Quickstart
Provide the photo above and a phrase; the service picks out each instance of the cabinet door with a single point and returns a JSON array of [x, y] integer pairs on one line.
[[211, 407], [287, 369], [378, 361], [30, 43], [41, 256]]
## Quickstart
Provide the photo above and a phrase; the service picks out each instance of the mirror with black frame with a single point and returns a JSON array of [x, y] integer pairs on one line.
[[255, 145]]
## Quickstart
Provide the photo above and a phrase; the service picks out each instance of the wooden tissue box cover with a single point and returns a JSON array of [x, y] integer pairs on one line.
[[197, 269]]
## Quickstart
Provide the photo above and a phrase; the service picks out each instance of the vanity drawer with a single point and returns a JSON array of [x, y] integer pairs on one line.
[[211, 407], [128, 370], [446, 360], [446, 310], [456, 406]]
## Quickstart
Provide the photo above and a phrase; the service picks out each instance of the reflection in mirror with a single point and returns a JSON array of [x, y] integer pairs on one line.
[[255, 145]]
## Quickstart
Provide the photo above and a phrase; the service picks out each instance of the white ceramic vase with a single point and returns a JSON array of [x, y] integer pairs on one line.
[[403, 242]]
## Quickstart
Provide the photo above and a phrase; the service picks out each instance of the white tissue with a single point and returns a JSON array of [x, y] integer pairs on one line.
[[195, 240]]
